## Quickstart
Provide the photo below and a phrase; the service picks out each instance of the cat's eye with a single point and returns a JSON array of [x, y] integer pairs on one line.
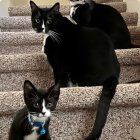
[[49, 105], [37, 20], [36, 105], [49, 21]]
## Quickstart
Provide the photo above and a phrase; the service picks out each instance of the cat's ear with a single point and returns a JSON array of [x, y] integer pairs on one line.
[[54, 91], [29, 90], [33, 6], [56, 7]]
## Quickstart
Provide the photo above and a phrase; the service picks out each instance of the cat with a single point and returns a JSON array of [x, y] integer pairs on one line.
[[92, 14], [32, 121], [79, 56]]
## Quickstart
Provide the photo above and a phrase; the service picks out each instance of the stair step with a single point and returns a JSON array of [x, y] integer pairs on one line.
[[24, 23], [36, 68], [31, 42], [20, 38], [16, 68], [19, 23], [20, 49], [18, 42], [79, 105], [131, 18], [135, 34], [26, 11]]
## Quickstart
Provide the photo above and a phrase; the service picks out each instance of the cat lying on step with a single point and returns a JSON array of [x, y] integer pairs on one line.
[[79, 56], [32, 122], [91, 14]]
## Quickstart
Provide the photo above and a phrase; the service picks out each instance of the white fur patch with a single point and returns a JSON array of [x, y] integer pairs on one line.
[[45, 110], [73, 3], [70, 84], [43, 26], [44, 42], [33, 135], [72, 10]]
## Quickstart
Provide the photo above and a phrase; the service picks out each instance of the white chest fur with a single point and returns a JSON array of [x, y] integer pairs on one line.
[[33, 135], [44, 42]]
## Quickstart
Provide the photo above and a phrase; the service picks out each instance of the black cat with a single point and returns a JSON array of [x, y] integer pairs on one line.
[[79, 56], [31, 122], [91, 14]]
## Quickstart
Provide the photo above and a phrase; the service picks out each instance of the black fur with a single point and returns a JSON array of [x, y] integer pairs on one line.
[[21, 126], [82, 55], [106, 18]]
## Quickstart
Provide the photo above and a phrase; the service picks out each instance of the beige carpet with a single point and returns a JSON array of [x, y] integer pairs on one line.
[[21, 59]]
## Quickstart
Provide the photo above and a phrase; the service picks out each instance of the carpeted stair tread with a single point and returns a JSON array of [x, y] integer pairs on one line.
[[38, 61], [18, 22], [13, 80], [19, 49], [76, 97], [17, 68], [131, 18], [35, 66], [76, 110], [24, 22], [23, 62], [64, 9], [23, 42], [33, 39], [135, 34], [20, 38]]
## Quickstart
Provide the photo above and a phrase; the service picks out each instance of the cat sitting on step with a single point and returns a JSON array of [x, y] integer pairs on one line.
[[32, 122], [92, 14]]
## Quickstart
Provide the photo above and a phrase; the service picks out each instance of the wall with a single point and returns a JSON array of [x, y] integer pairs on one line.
[[18, 2], [4, 4]]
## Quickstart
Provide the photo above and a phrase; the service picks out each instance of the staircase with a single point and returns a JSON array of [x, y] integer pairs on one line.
[[21, 58]]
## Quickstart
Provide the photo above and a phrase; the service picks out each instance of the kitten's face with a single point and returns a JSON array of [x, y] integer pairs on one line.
[[79, 11], [40, 102], [44, 19]]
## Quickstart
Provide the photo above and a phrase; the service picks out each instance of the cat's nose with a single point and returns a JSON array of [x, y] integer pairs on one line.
[[43, 113]]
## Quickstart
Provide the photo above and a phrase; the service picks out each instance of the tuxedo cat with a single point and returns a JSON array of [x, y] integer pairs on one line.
[[79, 56], [32, 122], [91, 14]]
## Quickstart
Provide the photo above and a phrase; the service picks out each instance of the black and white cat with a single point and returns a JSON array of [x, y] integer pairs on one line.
[[92, 14], [32, 122], [79, 56]]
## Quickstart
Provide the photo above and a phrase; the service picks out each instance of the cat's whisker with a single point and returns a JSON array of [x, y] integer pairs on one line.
[[60, 34], [55, 36]]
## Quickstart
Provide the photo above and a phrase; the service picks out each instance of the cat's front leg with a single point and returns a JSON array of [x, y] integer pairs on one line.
[[108, 91]]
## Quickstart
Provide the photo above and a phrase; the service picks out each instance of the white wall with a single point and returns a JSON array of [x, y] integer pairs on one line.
[[4, 4], [134, 6]]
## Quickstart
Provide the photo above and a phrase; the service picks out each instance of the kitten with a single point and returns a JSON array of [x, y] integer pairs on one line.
[[32, 122], [79, 56], [91, 14]]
